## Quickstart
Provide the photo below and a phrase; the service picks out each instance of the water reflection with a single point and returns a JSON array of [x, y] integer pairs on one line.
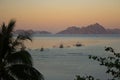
[[64, 63]]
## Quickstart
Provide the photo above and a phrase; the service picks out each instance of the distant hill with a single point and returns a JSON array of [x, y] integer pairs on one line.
[[70, 30], [90, 29], [113, 31], [31, 32], [42, 32]]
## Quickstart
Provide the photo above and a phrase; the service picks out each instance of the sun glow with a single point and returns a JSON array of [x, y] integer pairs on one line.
[[54, 15]]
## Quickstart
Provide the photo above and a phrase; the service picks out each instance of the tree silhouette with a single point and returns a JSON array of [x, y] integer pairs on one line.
[[111, 62], [15, 61]]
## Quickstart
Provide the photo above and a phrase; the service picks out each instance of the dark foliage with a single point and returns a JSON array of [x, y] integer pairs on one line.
[[111, 62], [78, 77], [15, 61]]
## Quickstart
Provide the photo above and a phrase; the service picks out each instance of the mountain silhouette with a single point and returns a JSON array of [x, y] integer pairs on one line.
[[31, 32], [90, 29]]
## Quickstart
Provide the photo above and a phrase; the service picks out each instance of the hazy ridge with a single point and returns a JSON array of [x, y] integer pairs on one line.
[[90, 29]]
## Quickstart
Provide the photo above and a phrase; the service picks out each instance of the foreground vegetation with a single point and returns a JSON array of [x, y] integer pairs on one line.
[[15, 61], [112, 63]]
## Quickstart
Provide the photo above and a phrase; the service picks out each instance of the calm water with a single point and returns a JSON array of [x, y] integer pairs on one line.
[[63, 64]]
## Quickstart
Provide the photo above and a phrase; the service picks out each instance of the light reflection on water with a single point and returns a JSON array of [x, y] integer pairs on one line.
[[65, 63], [50, 42]]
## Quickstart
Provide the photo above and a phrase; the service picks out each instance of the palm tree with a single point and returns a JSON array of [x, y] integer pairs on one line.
[[15, 61]]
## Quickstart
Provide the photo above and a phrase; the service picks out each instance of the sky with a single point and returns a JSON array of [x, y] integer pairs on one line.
[[56, 15]]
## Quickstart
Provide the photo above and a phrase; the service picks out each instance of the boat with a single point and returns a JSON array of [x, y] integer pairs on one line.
[[61, 46], [78, 44]]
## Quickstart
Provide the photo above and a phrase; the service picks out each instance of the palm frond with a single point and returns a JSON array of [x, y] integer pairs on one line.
[[11, 26], [6, 76], [19, 57], [20, 38], [25, 72], [24, 36], [6, 36], [3, 28], [17, 65]]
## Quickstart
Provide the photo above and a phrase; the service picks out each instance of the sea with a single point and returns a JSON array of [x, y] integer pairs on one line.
[[65, 63]]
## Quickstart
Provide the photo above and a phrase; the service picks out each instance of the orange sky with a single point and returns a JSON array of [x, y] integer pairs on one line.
[[56, 15]]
